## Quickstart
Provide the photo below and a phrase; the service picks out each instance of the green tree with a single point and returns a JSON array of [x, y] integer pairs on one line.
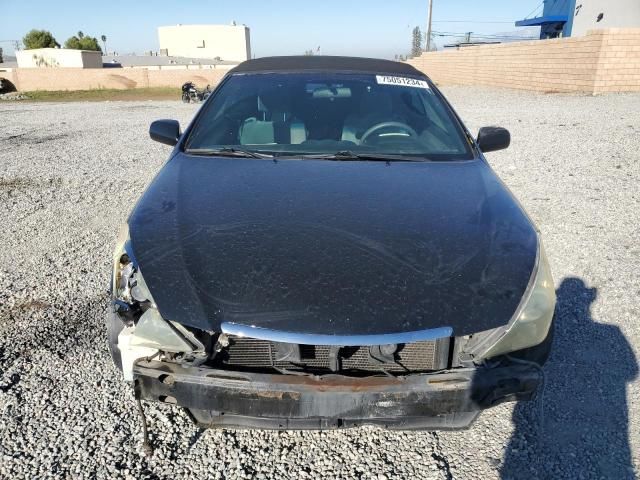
[[39, 39], [83, 43], [416, 42], [73, 42]]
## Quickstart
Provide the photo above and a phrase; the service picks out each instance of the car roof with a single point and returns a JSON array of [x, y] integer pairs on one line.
[[325, 63]]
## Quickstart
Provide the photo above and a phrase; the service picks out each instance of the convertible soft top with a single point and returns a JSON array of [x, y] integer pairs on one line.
[[325, 63]]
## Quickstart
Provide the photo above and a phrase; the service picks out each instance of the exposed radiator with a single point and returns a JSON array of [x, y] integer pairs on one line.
[[410, 357]]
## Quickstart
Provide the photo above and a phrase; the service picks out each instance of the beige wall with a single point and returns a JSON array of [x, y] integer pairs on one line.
[[229, 42], [58, 57], [9, 74], [601, 61], [30, 79]]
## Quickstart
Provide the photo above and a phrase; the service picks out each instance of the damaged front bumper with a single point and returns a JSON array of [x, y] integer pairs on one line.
[[438, 401]]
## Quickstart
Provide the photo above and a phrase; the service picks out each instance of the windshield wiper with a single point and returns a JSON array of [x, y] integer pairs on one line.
[[228, 152], [348, 155]]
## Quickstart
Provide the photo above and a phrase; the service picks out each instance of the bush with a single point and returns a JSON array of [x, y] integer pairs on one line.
[[39, 39], [83, 43]]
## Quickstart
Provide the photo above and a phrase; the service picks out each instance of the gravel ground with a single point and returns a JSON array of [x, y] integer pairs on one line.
[[69, 174]]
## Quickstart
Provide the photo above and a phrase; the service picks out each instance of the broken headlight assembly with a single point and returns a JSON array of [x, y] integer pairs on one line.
[[530, 324], [145, 333]]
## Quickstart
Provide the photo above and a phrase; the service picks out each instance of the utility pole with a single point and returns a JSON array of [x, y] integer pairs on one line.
[[15, 43], [428, 49]]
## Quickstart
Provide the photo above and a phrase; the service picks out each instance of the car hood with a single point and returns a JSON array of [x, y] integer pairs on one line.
[[332, 247]]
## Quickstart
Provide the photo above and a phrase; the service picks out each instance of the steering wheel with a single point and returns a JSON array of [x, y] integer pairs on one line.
[[378, 126]]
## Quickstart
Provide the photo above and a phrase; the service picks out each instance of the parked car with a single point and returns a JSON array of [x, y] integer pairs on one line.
[[327, 247]]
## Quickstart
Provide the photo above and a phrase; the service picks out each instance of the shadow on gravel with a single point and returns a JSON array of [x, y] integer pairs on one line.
[[578, 427]]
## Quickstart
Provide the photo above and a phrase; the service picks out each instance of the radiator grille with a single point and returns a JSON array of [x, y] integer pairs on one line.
[[253, 353]]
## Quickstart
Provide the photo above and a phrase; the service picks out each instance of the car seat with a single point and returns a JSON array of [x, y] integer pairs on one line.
[[274, 124]]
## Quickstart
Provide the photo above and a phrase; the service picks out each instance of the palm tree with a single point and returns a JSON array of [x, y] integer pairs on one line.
[[104, 42], [80, 34]]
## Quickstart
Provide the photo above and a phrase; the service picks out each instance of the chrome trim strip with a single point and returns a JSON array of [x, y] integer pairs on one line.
[[261, 333]]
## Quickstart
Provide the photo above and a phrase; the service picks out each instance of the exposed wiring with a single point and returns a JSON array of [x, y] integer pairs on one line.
[[148, 359], [146, 446]]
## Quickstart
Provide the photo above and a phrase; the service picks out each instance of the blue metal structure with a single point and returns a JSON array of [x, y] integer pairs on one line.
[[556, 19]]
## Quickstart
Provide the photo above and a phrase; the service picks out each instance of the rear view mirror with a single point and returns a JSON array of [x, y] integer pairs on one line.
[[165, 131], [491, 139]]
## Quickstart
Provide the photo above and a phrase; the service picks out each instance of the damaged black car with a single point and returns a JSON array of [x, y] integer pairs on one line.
[[327, 247]]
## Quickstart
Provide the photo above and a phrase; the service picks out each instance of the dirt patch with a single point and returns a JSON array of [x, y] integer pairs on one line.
[[33, 138], [101, 95], [28, 182], [33, 304]]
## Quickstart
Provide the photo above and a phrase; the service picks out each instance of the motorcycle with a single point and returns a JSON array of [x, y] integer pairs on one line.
[[206, 92], [191, 94]]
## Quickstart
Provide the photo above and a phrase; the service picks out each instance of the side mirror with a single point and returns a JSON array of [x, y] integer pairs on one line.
[[165, 131], [491, 139]]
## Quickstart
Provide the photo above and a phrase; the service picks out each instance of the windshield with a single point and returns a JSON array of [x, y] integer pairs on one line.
[[327, 114]]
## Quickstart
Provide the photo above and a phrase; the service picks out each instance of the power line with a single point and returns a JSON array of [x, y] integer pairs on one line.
[[535, 9], [489, 36], [499, 34], [469, 21]]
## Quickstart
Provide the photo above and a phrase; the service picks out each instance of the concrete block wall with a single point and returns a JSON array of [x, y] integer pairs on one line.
[[30, 79], [9, 74], [176, 78], [602, 61], [619, 61]]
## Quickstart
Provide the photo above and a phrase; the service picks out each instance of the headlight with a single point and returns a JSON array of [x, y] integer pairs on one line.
[[531, 322], [118, 261], [128, 283], [145, 331]]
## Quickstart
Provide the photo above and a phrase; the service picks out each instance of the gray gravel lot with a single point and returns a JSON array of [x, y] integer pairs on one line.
[[69, 174]]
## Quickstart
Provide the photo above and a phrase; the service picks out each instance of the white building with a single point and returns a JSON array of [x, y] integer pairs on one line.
[[58, 57], [592, 14], [574, 18], [228, 42]]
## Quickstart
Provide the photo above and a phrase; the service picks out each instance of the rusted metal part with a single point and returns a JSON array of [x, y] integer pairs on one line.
[[333, 401], [211, 419]]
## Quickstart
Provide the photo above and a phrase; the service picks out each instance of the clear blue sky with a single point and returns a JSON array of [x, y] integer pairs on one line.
[[378, 28]]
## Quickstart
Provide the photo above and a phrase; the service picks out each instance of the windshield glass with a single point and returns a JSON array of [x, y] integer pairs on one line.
[[326, 113]]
